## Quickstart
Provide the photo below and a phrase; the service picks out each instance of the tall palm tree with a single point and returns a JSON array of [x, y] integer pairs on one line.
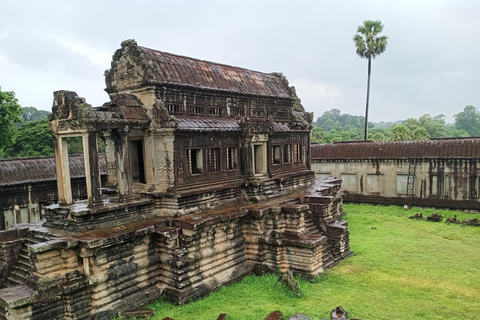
[[369, 45]]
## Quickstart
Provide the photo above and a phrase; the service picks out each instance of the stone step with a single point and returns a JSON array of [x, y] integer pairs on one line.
[[23, 266], [310, 225], [3, 313], [24, 255], [20, 273], [13, 279], [23, 263]]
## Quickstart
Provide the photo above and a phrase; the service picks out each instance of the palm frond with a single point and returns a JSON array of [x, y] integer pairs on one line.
[[367, 43]]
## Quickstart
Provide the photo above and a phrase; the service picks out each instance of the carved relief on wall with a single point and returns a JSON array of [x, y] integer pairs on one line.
[[161, 116]]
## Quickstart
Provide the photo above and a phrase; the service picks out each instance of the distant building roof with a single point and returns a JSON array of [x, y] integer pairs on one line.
[[434, 148], [27, 170]]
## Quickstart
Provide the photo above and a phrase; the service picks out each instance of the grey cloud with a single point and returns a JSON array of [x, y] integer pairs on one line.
[[37, 52], [430, 65]]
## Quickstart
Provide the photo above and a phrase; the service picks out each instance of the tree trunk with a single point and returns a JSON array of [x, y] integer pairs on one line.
[[368, 96]]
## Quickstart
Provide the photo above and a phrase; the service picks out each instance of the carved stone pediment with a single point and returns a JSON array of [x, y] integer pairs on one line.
[[68, 105]]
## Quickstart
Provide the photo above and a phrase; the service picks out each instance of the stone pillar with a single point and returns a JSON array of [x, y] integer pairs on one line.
[[63, 170], [247, 156], [149, 158], [164, 159], [124, 172], [110, 159], [306, 147], [92, 169]]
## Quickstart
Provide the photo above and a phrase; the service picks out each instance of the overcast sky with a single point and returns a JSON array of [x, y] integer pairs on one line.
[[431, 64]]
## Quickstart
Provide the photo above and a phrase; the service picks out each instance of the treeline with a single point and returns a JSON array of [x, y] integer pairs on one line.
[[34, 138], [25, 132], [334, 126]]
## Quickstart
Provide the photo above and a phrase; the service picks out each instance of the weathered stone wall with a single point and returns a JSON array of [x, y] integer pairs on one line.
[[28, 185], [443, 183], [25, 202], [100, 272]]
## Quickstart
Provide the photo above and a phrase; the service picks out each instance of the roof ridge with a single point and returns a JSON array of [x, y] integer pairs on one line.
[[273, 73]]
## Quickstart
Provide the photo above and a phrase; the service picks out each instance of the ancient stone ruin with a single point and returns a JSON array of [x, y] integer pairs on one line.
[[208, 180]]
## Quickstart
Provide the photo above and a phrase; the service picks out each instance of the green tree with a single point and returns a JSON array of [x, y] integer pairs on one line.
[[420, 133], [368, 45], [468, 120], [435, 126], [32, 114], [400, 132], [330, 125], [335, 120], [316, 135], [337, 136], [378, 136], [411, 124], [10, 114], [458, 133], [33, 139]]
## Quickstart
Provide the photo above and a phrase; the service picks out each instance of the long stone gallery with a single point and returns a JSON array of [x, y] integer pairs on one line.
[[206, 178]]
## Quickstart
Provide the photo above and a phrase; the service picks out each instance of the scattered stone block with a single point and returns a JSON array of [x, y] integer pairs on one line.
[[417, 216], [299, 316], [453, 220], [471, 222], [138, 313], [275, 315], [435, 217], [339, 313]]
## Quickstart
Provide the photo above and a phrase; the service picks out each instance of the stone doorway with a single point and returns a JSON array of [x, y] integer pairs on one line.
[[137, 163], [259, 161]]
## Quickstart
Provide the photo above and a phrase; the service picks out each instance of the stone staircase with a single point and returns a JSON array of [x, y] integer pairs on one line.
[[310, 225], [3, 313], [22, 268]]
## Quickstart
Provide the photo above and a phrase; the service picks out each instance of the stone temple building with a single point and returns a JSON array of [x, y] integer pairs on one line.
[[208, 180]]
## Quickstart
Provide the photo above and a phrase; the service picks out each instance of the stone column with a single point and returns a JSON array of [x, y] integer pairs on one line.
[[92, 169], [164, 159], [149, 158], [306, 147], [124, 172], [110, 159], [63, 170], [247, 157]]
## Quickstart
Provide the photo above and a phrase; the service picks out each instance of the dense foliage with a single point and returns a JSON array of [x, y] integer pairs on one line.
[[33, 139], [334, 126], [10, 115], [31, 114], [468, 120]]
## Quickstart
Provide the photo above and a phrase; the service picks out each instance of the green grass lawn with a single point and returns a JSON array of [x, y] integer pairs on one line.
[[403, 269]]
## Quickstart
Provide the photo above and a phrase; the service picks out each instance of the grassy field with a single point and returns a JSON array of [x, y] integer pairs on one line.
[[403, 269]]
